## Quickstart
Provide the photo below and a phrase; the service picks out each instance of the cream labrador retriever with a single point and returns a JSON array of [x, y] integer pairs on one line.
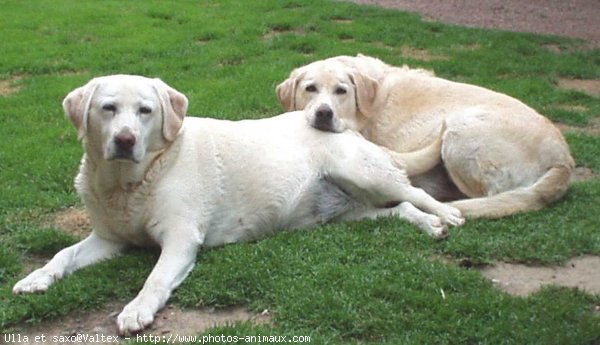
[[149, 177], [496, 150]]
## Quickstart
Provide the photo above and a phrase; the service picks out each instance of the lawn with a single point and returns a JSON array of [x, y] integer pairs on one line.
[[368, 282]]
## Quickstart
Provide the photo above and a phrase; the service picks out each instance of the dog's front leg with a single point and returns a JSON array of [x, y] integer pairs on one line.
[[176, 260], [86, 252]]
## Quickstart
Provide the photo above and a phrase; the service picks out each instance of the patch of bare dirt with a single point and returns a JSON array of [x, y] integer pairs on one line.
[[590, 87], [10, 86], [73, 220], [522, 280], [593, 128], [274, 32], [343, 21], [414, 53], [573, 107], [420, 54], [553, 48], [468, 47], [581, 174], [169, 322], [32, 263]]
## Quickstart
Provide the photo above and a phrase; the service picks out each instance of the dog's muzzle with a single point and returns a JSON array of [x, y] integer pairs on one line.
[[124, 142], [324, 118]]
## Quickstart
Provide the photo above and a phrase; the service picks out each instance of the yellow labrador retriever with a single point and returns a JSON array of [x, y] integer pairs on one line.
[[499, 155], [151, 177]]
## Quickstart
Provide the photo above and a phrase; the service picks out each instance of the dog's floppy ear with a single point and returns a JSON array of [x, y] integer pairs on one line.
[[77, 106], [174, 106], [366, 90], [286, 91]]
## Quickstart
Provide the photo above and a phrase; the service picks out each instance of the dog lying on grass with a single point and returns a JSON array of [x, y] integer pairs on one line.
[[497, 154], [149, 177]]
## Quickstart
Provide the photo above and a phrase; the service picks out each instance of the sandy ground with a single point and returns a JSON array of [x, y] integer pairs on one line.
[[171, 325], [573, 18], [521, 280]]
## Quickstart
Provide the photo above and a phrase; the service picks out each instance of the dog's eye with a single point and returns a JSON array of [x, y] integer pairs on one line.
[[340, 91], [311, 88], [109, 107], [145, 110]]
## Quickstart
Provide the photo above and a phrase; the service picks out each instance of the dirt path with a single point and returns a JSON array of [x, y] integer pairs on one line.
[[573, 18], [522, 280]]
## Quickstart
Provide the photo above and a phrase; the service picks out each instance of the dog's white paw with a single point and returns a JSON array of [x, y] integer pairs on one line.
[[451, 216], [134, 318], [433, 226], [37, 281]]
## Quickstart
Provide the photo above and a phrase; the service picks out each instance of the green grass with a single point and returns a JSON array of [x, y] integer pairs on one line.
[[368, 282]]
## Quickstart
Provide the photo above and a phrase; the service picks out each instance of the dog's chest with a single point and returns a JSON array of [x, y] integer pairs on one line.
[[119, 214]]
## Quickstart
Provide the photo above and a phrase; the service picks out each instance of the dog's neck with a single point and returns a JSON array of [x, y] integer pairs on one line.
[[364, 126], [117, 174], [126, 176]]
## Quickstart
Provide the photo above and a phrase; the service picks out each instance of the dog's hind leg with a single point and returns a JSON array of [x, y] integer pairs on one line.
[[419, 161], [505, 169], [429, 223], [90, 250], [369, 176]]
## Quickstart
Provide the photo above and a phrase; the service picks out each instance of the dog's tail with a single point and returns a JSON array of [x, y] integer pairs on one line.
[[422, 160], [549, 188]]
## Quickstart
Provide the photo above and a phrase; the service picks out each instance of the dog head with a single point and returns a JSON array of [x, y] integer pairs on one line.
[[124, 117], [335, 96]]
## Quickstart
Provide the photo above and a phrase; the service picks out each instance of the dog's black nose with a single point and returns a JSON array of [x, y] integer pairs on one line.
[[324, 113], [125, 141], [324, 118]]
